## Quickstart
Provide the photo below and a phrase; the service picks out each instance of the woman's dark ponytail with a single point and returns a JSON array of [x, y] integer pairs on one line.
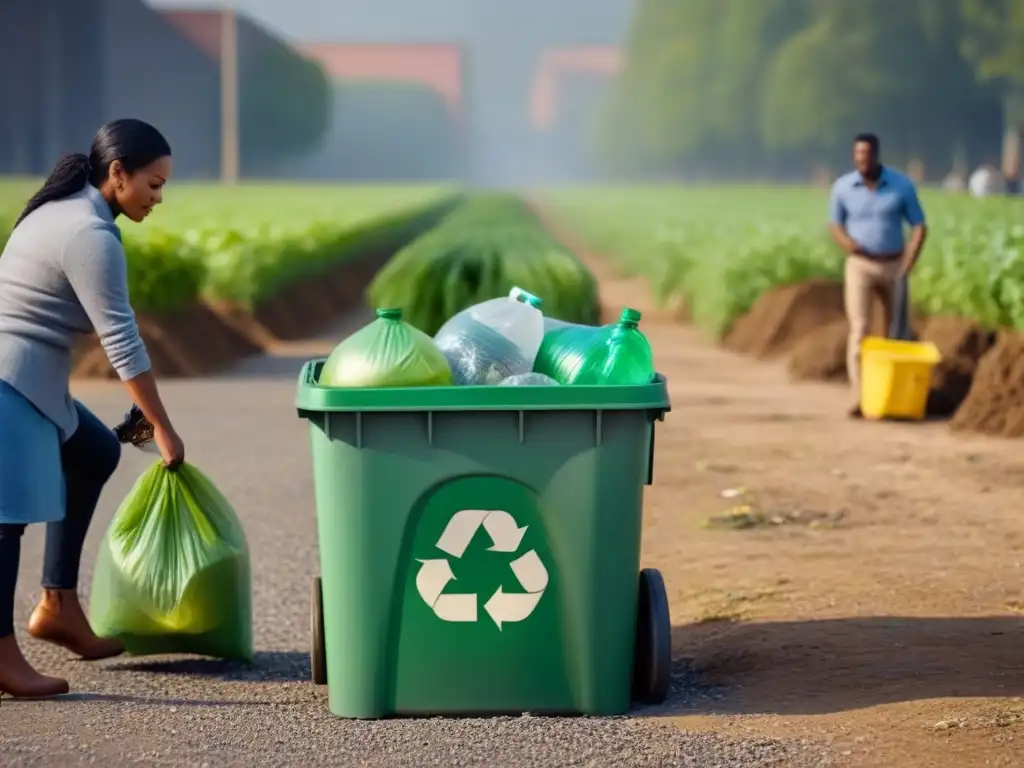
[[68, 177]]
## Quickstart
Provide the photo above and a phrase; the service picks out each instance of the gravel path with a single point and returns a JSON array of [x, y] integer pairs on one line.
[[242, 430]]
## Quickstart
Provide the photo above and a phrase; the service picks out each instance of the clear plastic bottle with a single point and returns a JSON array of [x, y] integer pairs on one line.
[[619, 354], [552, 324], [490, 341]]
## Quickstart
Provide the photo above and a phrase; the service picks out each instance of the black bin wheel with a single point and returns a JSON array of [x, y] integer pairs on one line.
[[318, 652], [652, 655]]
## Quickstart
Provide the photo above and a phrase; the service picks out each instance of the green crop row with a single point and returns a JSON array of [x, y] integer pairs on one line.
[[489, 244], [717, 249], [242, 245]]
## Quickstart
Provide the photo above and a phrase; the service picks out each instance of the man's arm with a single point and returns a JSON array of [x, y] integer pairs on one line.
[[914, 215], [837, 222]]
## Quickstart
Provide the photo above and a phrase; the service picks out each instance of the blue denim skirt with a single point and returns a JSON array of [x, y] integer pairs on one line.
[[31, 475]]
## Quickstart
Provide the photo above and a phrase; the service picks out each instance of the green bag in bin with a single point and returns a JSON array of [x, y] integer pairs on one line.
[[173, 572], [386, 353]]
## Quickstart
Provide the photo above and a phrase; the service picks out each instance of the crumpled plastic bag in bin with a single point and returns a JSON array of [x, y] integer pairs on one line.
[[478, 354], [173, 572]]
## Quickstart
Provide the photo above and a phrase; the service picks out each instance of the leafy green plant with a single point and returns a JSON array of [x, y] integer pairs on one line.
[[485, 247], [243, 244], [718, 249]]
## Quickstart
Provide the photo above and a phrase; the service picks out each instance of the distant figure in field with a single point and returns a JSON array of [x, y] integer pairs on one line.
[[986, 181], [954, 182], [866, 214]]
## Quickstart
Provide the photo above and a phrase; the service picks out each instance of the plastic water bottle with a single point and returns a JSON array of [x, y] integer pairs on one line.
[[552, 324], [490, 341]]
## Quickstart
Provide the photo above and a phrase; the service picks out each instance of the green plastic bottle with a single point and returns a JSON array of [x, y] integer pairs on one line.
[[386, 353], [611, 354], [620, 354]]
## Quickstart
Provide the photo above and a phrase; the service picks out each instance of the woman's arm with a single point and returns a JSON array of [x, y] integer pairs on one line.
[[145, 394], [95, 265]]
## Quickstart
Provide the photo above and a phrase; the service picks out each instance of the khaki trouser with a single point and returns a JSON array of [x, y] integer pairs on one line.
[[865, 278]]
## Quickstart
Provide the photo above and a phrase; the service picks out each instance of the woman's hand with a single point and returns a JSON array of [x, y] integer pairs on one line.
[[172, 449], [144, 394]]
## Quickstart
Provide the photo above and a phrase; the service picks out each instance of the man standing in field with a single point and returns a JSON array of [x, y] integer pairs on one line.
[[866, 215]]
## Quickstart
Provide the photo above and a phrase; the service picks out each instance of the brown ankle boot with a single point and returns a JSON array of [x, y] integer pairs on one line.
[[20, 680], [59, 619]]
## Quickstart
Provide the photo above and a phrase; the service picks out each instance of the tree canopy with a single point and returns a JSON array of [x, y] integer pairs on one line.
[[284, 105], [782, 85]]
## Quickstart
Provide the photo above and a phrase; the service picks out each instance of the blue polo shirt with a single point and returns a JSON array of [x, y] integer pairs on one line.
[[874, 218]]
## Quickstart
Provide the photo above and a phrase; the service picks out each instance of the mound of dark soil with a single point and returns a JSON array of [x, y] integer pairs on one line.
[[962, 345], [995, 403], [782, 316], [307, 306], [821, 354], [193, 342], [204, 339]]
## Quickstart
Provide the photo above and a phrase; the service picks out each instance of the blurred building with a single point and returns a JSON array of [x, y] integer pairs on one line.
[[438, 66], [71, 65], [518, 78], [398, 112], [568, 87]]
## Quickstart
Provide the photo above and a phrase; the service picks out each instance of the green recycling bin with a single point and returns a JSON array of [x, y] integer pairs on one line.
[[480, 549]]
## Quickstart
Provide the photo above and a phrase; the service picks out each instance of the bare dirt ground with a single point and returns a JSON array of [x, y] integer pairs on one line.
[[855, 582]]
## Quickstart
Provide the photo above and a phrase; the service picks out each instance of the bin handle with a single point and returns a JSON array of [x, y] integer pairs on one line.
[[655, 417], [650, 459]]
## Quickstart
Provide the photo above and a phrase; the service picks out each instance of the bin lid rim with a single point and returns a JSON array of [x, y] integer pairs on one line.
[[311, 397]]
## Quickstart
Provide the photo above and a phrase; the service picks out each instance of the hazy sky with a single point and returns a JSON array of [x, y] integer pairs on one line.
[[594, 21], [343, 20], [504, 38]]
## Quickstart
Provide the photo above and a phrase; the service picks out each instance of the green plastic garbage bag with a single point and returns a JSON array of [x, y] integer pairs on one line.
[[386, 353], [173, 572]]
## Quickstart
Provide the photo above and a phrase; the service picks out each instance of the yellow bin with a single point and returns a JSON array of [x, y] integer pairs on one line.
[[896, 377]]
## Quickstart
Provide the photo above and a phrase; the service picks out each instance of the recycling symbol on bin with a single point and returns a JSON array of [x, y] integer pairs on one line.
[[503, 607]]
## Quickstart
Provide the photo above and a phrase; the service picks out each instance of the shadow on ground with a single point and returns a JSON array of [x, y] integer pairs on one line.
[[267, 666], [88, 698], [837, 665]]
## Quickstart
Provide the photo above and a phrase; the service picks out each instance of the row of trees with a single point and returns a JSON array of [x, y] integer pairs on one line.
[[284, 105], [779, 86]]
